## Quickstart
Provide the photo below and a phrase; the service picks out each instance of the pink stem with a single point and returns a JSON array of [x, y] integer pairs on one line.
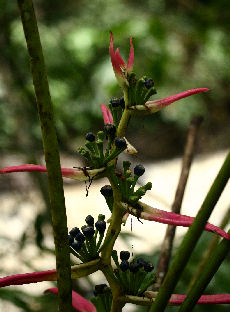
[[177, 299]]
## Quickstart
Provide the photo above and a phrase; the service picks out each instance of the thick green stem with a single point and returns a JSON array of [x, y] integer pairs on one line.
[[191, 238], [208, 272], [50, 145], [209, 251]]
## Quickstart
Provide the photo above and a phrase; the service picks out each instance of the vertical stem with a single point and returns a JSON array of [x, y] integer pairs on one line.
[[50, 145], [166, 248], [219, 254], [208, 252], [191, 238]]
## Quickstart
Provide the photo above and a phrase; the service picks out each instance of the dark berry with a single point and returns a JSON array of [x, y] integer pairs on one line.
[[122, 102], [89, 220], [100, 226], [120, 143], [107, 191], [110, 130], [149, 83], [148, 267], [88, 231], [90, 137], [141, 262], [76, 245], [139, 170], [133, 267], [71, 239], [115, 102], [74, 231], [124, 266], [80, 237], [124, 255], [99, 289]]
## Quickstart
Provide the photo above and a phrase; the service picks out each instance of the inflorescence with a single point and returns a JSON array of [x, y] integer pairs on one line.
[[125, 183], [133, 276], [94, 146], [85, 244]]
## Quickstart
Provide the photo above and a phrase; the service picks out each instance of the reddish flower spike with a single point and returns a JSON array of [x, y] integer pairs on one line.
[[121, 69], [76, 174], [79, 303], [107, 116]]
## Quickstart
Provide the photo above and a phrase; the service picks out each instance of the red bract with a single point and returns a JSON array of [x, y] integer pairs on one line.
[[121, 69], [165, 217], [156, 105], [79, 303], [107, 116], [76, 174]]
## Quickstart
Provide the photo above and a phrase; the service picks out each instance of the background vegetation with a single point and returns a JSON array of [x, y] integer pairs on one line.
[[180, 44]]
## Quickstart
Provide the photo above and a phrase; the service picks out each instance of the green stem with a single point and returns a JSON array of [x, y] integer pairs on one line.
[[191, 238], [208, 272], [208, 252], [50, 145]]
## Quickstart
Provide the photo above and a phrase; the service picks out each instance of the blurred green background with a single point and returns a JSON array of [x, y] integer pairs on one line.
[[180, 44]]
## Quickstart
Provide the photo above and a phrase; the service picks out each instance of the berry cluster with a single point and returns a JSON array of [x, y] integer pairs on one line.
[[140, 90], [125, 182], [85, 244], [134, 276], [116, 107], [94, 148], [103, 298]]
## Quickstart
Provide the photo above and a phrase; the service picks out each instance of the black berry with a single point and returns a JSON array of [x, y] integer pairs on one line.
[[88, 231], [90, 137], [89, 220], [99, 289], [107, 191], [80, 237], [124, 266], [141, 262], [100, 226], [74, 231], [149, 83], [139, 170], [120, 143], [110, 130], [76, 246], [124, 255], [133, 267], [148, 267], [115, 102]]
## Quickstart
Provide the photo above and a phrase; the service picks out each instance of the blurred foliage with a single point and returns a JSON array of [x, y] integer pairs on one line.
[[180, 44]]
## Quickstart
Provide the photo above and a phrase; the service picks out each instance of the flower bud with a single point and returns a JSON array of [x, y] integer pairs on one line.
[[88, 231], [120, 143], [124, 266], [124, 255], [148, 267], [133, 267], [149, 83], [76, 245], [89, 220], [107, 191], [74, 231], [90, 137], [115, 102], [100, 226], [80, 237], [139, 170], [110, 130]]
